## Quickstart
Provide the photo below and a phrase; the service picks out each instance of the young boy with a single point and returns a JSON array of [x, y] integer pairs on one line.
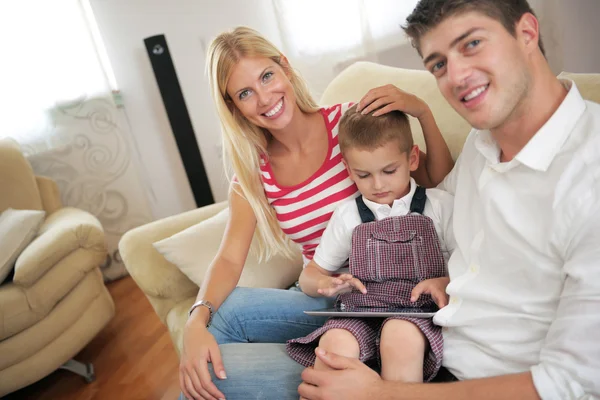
[[397, 239]]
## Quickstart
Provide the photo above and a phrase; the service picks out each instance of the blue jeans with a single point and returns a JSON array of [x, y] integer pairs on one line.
[[252, 326]]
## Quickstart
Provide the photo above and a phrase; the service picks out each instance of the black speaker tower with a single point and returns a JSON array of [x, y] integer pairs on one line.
[[172, 97]]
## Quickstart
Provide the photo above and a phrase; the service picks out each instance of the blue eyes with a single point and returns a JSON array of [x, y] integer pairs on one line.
[[472, 43], [265, 78], [244, 94], [441, 64], [437, 66]]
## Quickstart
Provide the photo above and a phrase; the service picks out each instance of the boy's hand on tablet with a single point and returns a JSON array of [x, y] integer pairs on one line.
[[436, 287], [333, 285]]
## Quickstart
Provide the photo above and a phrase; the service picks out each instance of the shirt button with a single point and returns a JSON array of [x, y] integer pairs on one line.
[[454, 300], [474, 268]]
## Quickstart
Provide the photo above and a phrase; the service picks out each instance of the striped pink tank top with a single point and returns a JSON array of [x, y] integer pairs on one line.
[[304, 210]]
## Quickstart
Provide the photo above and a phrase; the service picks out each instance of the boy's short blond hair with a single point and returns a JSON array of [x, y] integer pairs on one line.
[[366, 132]]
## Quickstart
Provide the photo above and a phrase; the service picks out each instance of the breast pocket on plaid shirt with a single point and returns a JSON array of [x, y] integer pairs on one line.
[[394, 255]]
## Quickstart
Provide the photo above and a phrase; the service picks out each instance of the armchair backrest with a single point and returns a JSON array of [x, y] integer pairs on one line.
[[354, 82], [588, 84], [18, 187]]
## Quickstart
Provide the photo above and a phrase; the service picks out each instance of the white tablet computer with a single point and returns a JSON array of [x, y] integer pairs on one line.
[[374, 312]]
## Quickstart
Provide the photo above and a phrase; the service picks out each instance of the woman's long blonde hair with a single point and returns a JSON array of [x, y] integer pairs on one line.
[[243, 142]]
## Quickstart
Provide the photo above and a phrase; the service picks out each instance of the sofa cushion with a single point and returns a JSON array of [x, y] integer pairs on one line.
[[39, 358], [57, 323], [14, 310], [23, 306], [63, 232], [19, 187], [17, 230], [193, 249]]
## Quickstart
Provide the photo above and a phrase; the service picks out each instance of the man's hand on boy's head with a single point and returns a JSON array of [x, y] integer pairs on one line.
[[436, 287], [330, 286], [390, 98]]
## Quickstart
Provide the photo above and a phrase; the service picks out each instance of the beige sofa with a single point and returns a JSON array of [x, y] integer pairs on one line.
[[56, 302], [172, 293]]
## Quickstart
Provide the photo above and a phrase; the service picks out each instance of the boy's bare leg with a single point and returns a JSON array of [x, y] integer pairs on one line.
[[339, 341], [402, 350]]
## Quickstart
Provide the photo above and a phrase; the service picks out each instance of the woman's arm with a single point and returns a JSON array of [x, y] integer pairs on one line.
[[438, 162], [225, 271], [199, 345]]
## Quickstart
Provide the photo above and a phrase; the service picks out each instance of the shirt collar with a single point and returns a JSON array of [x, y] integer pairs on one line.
[[400, 206], [541, 149]]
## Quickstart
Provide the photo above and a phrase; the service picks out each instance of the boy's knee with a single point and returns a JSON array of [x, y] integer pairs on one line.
[[398, 333], [340, 341]]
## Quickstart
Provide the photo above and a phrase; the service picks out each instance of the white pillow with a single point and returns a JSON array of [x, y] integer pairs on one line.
[[193, 250], [17, 230]]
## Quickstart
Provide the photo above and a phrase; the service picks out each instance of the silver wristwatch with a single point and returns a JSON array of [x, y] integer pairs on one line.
[[203, 303]]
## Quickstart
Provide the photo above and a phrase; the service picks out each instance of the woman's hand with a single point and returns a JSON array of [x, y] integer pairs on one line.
[[199, 348], [434, 167], [436, 287], [330, 286], [389, 98]]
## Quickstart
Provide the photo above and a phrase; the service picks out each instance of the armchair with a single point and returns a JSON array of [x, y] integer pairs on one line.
[[56, 301]]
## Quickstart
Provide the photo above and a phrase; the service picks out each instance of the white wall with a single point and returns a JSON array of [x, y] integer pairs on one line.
[[188, 26], [569, 26], [581, 35]]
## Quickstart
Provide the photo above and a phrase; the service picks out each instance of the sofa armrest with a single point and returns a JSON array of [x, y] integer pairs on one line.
[[158, 278], [63, 232], [49, 194]]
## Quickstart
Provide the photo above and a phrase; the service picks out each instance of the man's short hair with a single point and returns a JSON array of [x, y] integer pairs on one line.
[[430, 13], [366, 132]]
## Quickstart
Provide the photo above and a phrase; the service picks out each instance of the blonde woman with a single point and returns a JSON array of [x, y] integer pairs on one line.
[[289, 177]]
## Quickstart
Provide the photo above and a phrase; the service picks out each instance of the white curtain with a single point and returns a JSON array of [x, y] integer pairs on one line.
[[321, 37], [50, 58], [57, 102]]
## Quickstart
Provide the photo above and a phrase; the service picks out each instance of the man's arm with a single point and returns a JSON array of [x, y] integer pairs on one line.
[[569, 361], [517, 386], [353, 379], [569, 365]]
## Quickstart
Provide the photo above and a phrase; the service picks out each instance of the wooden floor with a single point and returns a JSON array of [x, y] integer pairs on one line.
[[133, 356]]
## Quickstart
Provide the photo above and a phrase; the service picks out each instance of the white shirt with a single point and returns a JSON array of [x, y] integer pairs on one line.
[[525, 276], [334, 249]]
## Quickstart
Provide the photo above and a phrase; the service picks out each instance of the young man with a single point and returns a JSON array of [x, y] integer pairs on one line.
[[525, 277]]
